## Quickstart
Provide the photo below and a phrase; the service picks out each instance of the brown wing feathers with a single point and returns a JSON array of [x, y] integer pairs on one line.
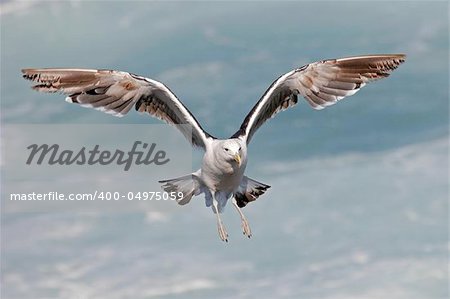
[[53, 80], [321, 83], [116, 93]]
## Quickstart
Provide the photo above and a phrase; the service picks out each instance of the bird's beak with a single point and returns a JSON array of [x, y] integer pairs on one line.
[[237, 158]]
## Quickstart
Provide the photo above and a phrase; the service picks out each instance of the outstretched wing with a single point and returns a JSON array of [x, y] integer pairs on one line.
[[116, 93], [321, 83]]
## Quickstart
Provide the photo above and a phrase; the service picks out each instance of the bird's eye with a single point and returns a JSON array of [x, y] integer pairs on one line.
[[239, 148], [226, 149]]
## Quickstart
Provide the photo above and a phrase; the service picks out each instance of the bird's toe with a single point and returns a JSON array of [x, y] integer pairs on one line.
[[223, 235], [246, 229]]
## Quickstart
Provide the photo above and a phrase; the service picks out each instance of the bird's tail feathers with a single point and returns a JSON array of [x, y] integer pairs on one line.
[[249, 190], [182, 188]]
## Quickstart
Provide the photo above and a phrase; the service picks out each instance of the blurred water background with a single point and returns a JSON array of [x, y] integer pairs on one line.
[[359, 201]]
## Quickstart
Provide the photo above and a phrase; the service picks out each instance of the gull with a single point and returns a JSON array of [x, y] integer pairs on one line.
[[221, 175]]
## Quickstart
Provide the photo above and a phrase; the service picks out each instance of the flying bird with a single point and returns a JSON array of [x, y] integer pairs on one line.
[[221, 175]]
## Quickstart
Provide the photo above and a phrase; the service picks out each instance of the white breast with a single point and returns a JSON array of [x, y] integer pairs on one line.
[[220, 175]]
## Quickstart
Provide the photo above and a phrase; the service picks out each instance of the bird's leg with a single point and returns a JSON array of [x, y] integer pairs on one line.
[[245, 227], [220, 227]]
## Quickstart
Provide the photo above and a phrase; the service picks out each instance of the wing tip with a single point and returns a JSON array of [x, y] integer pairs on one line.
[[28, 74], [401, 55], [27, 70]]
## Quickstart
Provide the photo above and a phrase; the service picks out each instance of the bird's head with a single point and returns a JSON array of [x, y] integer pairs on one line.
[[232, 150]]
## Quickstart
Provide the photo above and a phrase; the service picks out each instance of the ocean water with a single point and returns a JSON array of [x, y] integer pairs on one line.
[[359, 201]]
